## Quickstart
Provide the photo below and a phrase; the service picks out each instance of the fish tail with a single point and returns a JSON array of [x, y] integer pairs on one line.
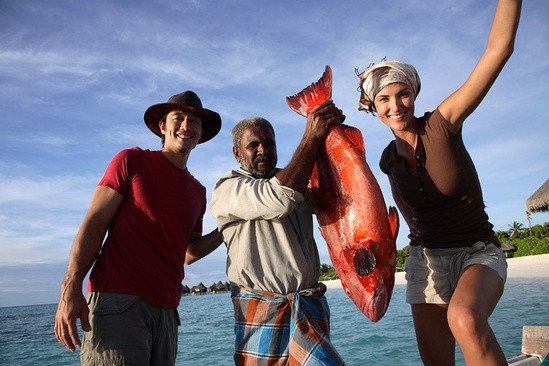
[[313, 95]]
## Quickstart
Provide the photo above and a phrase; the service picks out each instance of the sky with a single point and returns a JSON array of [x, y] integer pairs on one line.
[[77, 76]]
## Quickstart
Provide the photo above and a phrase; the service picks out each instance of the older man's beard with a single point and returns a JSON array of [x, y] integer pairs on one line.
[[261, 173]]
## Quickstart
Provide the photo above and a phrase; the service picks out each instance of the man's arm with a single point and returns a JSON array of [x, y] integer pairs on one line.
[[298, 171], [87, 244], [200, 246]]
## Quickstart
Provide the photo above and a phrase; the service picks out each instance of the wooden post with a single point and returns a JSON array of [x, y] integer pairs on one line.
[[535, 340]]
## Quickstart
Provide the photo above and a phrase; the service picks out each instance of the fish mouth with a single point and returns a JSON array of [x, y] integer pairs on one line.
[[372, 302], [377, 305]]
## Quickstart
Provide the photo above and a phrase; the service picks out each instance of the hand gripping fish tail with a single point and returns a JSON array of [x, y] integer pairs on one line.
[[354, 221]]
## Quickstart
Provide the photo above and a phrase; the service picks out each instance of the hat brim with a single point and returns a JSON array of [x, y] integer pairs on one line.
[[211, 121]]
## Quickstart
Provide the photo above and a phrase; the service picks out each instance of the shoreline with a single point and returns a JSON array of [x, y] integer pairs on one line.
[[527, 269]]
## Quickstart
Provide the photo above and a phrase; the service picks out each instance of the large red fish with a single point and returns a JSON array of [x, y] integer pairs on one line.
[[350, 209]]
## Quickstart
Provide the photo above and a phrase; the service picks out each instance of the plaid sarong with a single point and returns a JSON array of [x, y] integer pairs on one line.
[[273, 329]]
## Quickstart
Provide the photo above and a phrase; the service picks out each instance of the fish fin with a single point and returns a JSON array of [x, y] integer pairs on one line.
[[363, 260], [313, 95], [355, 136], [394, 222], [313, 180]]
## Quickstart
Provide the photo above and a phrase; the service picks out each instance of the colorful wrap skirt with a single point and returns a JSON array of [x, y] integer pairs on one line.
[[273, 329]]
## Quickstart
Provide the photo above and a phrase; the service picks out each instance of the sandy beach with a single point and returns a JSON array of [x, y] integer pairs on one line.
[[534, 268]]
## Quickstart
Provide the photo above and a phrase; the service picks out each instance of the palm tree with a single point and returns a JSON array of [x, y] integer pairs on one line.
[[529, 218], [515, 229]]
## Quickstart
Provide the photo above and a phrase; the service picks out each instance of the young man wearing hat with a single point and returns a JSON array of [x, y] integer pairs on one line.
[[152, 208]]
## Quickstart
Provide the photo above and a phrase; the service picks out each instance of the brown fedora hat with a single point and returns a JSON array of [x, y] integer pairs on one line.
[[186, 101]]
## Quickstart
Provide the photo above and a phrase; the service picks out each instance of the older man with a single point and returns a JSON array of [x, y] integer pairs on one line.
[[265, 217]]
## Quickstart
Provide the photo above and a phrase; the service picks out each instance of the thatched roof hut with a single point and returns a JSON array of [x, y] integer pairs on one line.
[[508, 249], [221, 287], [539, 201], [199, 289], [186, 290], [218, 287]]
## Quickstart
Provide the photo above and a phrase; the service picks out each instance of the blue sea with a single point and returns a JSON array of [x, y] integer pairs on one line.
[[26, 332]]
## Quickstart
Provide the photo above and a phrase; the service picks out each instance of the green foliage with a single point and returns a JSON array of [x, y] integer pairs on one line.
[[541, 248], [519, 232], [503, 236], [402, 256], [532, 241], [327, 273], [530, 246], [538, 231]]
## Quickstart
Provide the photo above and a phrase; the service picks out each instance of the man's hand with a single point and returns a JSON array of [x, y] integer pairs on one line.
[[72, 305], [321, 119]]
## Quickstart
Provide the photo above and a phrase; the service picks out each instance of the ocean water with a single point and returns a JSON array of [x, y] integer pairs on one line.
[[26, 332]]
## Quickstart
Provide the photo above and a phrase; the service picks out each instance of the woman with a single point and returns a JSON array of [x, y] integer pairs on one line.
[[456, 270]]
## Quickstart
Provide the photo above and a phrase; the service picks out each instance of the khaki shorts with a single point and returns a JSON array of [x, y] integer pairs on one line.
[[432, 274], [127, 330]]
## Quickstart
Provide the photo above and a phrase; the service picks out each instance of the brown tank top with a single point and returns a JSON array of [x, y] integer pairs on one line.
[[445, 197]]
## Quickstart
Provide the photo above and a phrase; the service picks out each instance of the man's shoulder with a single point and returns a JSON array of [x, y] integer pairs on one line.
[[231, 174], [139, 151], [236, 173], [136, 153], [235, 180], [242, 174]]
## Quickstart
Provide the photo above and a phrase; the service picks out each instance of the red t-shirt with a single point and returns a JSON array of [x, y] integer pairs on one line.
[[144, 251]]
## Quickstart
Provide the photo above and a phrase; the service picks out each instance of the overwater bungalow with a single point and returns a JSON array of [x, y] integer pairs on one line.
[[223, 287], [186, 290], [212, 289], [199, 289]]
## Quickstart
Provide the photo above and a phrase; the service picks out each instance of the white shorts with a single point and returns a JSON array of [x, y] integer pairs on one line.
[[432, 274]]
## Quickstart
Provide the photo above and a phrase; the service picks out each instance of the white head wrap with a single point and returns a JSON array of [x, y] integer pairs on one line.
[[381, 74]]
